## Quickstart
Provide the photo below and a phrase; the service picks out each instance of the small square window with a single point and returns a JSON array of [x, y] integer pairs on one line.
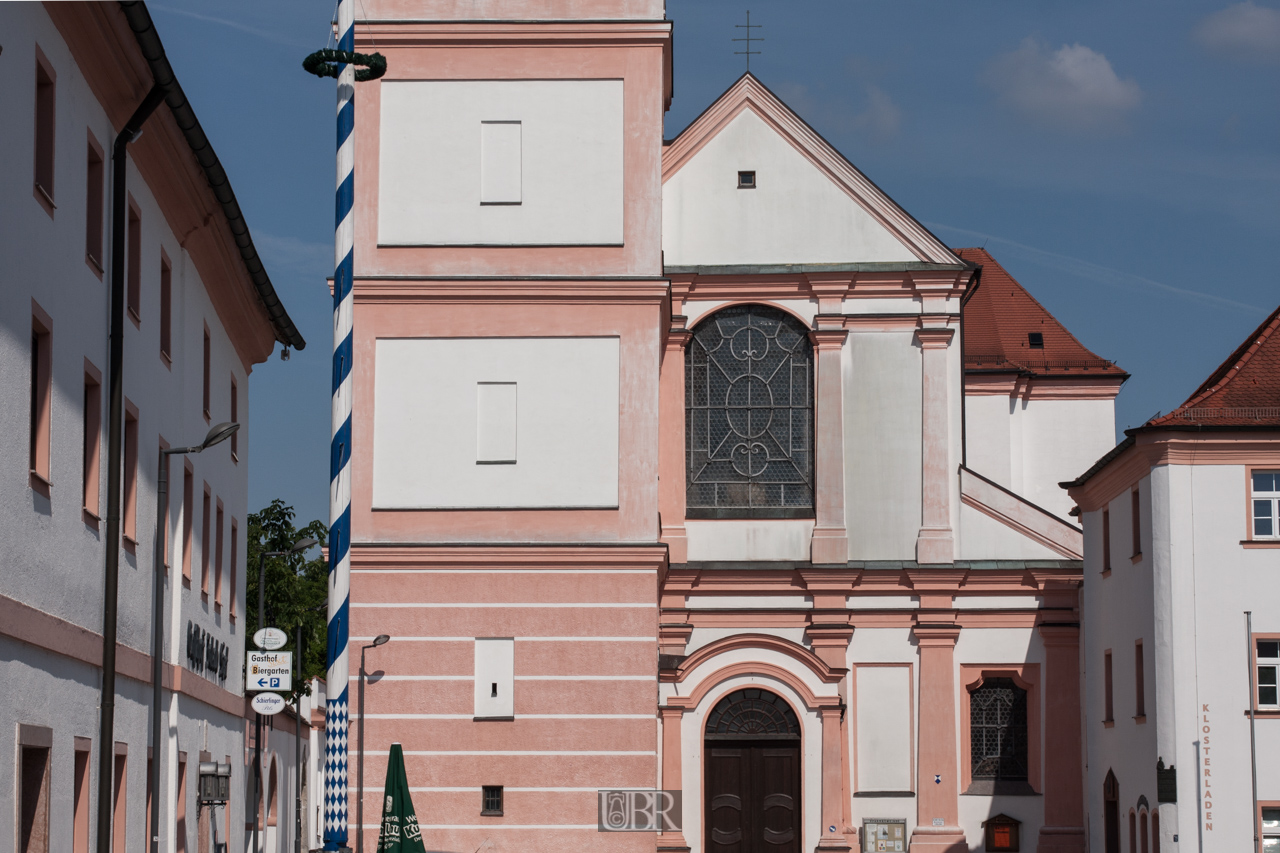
[[1035, 340], [492, 800], [746, 180]]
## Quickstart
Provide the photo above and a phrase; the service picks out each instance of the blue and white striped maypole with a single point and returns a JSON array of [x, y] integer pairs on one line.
[[341, 63], [336, 712]]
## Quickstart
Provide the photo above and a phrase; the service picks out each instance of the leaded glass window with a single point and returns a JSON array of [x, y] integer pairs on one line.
[[998, 730], [749, 416], [752, 714]]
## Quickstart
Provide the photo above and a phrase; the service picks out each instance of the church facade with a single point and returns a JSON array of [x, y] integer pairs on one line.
[[695, 465]]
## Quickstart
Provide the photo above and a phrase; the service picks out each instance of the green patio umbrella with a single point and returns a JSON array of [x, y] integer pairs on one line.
[[399, 832]]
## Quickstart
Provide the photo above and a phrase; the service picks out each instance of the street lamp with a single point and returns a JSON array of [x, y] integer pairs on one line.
[[300, 545], [221, 432], [377, 641]]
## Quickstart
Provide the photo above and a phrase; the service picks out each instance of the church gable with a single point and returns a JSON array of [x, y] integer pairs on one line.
[[799, 201]]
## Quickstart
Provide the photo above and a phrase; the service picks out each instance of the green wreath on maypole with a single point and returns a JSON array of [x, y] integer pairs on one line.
[[328, 62]]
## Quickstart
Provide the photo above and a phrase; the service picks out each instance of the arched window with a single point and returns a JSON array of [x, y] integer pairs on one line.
[[1155, 832], [1111, 813], [749, 416], [1133, 831], [752, 714], [998, 733], [1142, 830]]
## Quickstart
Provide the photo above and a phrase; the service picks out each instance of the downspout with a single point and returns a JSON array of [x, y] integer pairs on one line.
[[1253, 739], [115, 383], [964, 420]]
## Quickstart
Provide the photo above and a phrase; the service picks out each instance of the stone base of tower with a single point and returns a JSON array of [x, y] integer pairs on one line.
[[938, 839]]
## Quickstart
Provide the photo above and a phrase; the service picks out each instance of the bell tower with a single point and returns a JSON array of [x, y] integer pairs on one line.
[[509, 311]]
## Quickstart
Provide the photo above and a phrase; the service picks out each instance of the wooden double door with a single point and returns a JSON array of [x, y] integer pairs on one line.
[[752, 796]]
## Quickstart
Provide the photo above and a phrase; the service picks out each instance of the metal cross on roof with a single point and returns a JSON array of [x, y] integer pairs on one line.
[[748, 26]]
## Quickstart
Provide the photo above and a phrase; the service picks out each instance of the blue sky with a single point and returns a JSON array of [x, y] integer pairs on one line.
[[1121, 160]]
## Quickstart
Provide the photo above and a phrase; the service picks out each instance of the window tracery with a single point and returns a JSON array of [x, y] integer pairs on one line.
[[749, 416]]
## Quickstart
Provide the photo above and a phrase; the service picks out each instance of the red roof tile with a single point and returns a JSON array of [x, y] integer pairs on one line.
[[999, 317], [1243, 391]]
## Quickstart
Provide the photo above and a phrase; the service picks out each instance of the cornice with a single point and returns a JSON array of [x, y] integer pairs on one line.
[[1152, 448], [615, 292], [586, 556]]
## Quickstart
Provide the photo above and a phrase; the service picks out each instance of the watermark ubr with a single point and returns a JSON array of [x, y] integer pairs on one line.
[[638, 810]]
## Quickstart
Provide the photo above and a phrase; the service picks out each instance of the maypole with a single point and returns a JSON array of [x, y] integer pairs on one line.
[[341, 63]]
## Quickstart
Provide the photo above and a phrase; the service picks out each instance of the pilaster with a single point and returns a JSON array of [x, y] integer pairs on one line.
[[936, 540], [937, 783], [830, 536], [672, 716], [832, 782], [671, 442], [1063, 829]]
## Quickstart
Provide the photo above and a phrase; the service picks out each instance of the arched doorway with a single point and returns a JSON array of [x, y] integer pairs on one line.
[[752, 774], [271, 837], [1111, 813]]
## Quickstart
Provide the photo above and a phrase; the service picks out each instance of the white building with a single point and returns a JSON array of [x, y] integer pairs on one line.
[[200, 315], [1181, 539]]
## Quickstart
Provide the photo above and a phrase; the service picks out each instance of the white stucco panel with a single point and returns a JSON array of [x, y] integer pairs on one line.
[[884, 723], [795, 214], [427, 441], [448, 173], [756, 539]]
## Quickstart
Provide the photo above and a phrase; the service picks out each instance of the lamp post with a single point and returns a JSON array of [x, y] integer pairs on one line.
[[377, 641], [218, 434], [300, 545]]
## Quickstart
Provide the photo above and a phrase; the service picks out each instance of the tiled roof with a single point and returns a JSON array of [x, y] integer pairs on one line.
[[999, 317], [1243, 391]]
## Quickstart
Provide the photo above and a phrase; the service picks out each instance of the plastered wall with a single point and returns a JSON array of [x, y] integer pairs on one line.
[[796, 214]]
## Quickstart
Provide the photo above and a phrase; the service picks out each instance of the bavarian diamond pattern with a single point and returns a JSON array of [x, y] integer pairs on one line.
[[335, 770]]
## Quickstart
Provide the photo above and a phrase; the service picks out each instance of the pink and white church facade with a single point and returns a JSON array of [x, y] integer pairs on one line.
[[693, 464]]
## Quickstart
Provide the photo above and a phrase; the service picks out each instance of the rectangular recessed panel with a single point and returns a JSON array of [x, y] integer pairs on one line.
[[496, 423], [554, 410], [500, 162], [884, 728], [495, 677]]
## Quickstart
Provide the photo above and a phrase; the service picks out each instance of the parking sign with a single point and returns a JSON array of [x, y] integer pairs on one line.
[[269, 671]]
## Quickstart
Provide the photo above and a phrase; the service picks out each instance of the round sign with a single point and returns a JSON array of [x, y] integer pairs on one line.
[[268, 703], [270, 638]]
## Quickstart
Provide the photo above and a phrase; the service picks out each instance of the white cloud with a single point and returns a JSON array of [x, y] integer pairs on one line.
[[1072, 87], [1243, 31], [882, 118]]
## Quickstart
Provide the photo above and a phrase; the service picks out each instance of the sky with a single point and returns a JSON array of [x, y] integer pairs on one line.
[[1121, 160]]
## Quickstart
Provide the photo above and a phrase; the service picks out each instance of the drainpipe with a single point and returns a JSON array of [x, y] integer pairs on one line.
[[107, 702], [1253, 740], [964, 420]]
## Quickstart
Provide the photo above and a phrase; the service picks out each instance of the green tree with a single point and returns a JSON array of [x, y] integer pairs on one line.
[[296, 587]]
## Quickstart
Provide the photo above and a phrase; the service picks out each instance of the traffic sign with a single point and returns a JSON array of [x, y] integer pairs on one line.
[[268, 703], [268, 671], [270, 639]]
